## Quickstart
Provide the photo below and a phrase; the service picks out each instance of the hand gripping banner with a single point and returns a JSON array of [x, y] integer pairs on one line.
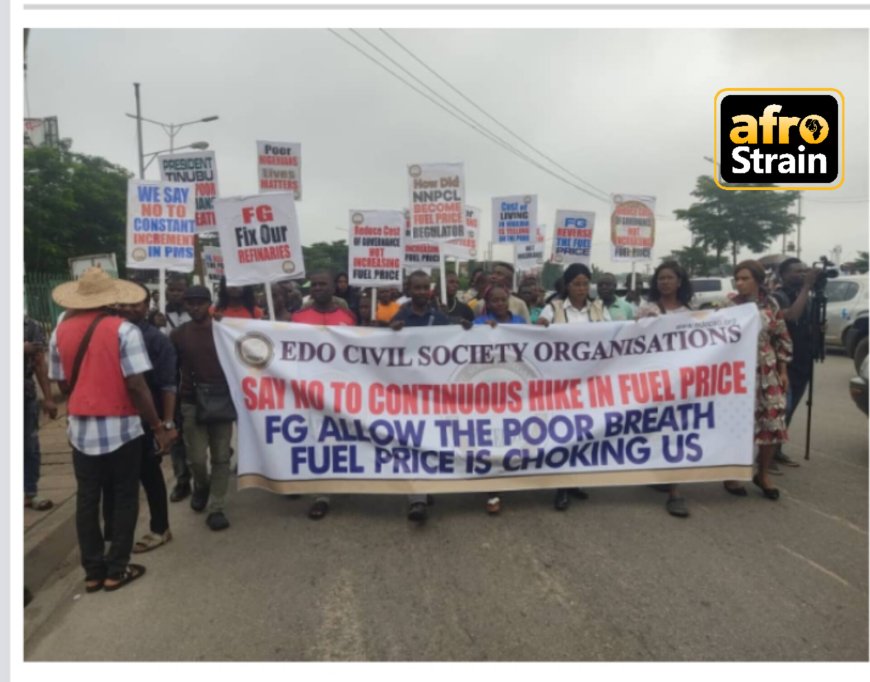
[[442, 409]]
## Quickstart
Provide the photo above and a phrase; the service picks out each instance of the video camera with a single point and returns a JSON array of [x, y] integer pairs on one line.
[[827, 271]]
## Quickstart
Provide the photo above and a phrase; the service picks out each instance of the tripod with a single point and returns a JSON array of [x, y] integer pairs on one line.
[[818, 318]]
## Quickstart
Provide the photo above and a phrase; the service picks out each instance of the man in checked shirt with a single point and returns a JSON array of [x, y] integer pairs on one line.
[[99, 361]]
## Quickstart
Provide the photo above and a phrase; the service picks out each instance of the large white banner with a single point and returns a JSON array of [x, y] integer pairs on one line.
[[375, 253], [632, 227], [259, 238], [279, 167], [200, 170], [572, 239], [438, 409], [514, 218], [437, 195], [161, 224]]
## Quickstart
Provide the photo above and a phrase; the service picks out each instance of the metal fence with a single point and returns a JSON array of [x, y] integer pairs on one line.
[[37, 296]]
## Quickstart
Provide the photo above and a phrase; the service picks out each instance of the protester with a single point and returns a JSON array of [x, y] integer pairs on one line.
[[478, 284], [34, 363], [292, 295], [633, 291], [365, 310], [387, 305], [205, 429], [577, 307], [158, 319], [771, 377], [455, 309], [419, 312], [503, 275], [161, 380], [617, 308], [235, 302], [99, 360], [670, 291], [347, 293], [794, 297], [176, 315], [530, 293], [279, 300]]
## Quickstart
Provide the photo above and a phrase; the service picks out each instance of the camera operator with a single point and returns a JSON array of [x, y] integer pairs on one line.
[[794, 296]]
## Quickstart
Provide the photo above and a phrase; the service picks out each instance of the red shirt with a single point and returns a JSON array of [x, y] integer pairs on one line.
[[338, 317], [239, 311]]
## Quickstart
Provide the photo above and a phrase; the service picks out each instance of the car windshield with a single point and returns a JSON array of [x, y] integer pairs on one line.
[[840, 290], [705, 285]]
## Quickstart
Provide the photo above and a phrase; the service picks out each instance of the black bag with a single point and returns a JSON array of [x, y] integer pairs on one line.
[[213, 403]]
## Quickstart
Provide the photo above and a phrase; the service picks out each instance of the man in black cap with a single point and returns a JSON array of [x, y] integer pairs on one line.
[[197, 357]]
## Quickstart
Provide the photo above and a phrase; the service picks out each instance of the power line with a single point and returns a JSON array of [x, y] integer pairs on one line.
[[474, 125], [838, 201], [488, 115]]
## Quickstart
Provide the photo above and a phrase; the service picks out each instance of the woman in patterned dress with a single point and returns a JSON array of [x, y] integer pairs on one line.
[[771, 384]]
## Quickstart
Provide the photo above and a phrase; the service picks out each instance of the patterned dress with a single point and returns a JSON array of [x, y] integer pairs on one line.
[[774, 345]]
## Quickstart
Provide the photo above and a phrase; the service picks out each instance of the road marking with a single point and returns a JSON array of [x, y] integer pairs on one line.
[[833, 517], [818, 567]]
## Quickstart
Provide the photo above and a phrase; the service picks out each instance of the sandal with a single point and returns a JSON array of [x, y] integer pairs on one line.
[[493, 504], [37, 503], [735, 488], [131, 573], [318, 510], [151, 541], [94, 585]]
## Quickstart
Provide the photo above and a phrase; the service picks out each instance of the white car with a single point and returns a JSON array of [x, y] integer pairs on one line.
[[711, 290], [847, 300]]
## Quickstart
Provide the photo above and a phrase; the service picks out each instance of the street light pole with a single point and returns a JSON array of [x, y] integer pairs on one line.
[[139, 133]]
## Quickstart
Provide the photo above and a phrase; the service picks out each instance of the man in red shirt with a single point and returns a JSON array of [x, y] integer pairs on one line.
[[325, 312]]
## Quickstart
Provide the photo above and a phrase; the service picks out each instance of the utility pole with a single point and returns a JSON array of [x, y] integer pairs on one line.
[[139, 133]]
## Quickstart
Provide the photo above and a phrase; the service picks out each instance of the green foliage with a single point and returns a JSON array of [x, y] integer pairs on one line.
[[74, 205], [734, 219], [326, 256], [861, 264], [697, 261]]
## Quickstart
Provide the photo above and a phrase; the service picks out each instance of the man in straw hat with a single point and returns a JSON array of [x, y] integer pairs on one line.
[[99, 360]]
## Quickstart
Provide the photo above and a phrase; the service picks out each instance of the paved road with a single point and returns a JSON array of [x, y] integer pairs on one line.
[[614, 578]]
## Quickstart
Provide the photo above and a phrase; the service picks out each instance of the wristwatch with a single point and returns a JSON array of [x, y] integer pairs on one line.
[[169, 426]]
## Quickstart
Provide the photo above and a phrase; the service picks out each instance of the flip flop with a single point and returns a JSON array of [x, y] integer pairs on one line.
[[318, 510], [151, 541], [94, 585], [131, 573]]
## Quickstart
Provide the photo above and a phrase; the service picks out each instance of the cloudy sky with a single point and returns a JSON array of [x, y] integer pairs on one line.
[[629, 111]]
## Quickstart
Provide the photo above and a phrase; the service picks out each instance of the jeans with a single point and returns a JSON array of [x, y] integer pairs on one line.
[[32, 454], [200, 439], [119, 470], [151, 476], [178, 453]]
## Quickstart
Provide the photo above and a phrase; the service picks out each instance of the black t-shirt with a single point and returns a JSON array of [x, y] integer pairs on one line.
[[431, 317], [800, 331], [459, 311]]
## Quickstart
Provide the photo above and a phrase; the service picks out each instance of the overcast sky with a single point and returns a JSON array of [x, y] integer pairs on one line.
[[630, 111]]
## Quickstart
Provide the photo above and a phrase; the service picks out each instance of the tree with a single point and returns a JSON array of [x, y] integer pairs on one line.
[[734, 219], [861, 264], [326, 256], [74, 205], [696, 260]]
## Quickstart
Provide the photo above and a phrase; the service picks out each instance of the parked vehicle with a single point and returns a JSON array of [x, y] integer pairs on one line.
[[858, 387], [856, 340], [711, 290], [847, 302]]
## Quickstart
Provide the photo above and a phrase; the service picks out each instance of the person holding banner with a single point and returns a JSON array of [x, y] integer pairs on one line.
[[503, 275], [670, 291], [771, 382], [279, 300], [618, 308], [207, 418], [530, 292], [347, 293], [574, 307], [478, 284], [455, 309], [237, 302], [322, 311]]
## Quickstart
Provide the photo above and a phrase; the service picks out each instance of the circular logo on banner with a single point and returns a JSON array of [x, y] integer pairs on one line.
[[415, 171], [139, 254], [255, 350], [527, 200], [288, 266], [357, 218]]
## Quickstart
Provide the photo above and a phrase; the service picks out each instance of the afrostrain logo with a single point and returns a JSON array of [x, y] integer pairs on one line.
[[779, 138]]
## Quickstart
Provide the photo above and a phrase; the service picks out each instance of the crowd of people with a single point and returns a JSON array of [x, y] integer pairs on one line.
[[141, 383]]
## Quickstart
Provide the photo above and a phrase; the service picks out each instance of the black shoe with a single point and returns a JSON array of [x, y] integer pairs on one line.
[[199, 499], [783, 458], [179, 492], [561, 501], [676, 506], [417, 512], [217, 521], [769, 493], [579, 493]]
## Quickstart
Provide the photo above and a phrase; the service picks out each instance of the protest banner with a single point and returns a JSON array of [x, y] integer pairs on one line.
[[632, 227], [259, 238], [466, 248], [200, 170], [279, 167], [572, 239], [437, 192], [375, 253], [213, 261], [528, 256], [161, 224], [514, 218], [441, 409]]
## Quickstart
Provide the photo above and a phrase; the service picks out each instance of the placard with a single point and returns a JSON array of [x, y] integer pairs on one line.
[[161, 224], [200, 170]]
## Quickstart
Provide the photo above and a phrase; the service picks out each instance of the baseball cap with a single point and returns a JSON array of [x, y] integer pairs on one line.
[[197, 292]]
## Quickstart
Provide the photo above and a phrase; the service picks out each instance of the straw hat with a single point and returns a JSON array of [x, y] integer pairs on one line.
[[95, 289]]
